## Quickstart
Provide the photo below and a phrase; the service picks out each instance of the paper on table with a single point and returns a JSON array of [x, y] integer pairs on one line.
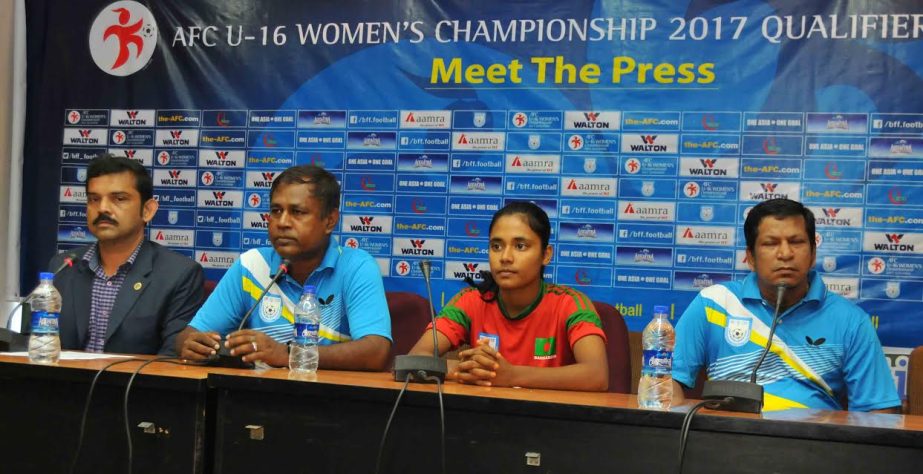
[[74, 355]]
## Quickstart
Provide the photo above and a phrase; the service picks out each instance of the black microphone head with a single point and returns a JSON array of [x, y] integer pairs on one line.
[[283, 265], [425, 268]]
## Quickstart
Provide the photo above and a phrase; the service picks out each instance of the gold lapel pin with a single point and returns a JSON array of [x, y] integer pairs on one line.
[[137, 286]]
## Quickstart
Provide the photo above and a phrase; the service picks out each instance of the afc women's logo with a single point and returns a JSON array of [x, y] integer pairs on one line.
[[123, 38]]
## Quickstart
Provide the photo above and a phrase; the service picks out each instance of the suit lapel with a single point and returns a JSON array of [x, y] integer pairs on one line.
[[136, 281], [80, 300]]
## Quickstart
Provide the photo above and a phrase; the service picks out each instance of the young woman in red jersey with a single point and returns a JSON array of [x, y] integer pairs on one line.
[[525, 332]]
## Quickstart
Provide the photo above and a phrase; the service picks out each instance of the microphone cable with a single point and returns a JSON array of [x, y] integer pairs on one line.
[[433, 378], [384, 436], [687, 422], [86, 409], [170, 359]]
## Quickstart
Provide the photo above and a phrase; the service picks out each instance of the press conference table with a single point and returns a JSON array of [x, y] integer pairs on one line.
[[228, 420]]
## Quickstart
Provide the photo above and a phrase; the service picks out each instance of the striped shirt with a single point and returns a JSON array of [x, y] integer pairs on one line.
[[105, 290]]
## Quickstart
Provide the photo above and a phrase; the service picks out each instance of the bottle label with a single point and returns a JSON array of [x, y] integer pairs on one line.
[[658, 360], [44, 322], [306, 332]]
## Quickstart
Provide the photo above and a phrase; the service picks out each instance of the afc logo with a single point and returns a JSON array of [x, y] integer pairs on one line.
[[123, 38]]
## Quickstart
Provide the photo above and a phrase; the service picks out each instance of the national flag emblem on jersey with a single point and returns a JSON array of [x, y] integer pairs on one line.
[[271, 308], [545, 348], [737, 332]]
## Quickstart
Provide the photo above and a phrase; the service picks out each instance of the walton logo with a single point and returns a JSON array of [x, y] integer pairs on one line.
[[176, 134], [894, 244], [470, 267], [123, 38], [269, 176], [132, 114], [591, 116], [648, 143], [366, 220], [130, 154], [768, 187], [417, 243], [174, 174], [648, 139], [222, 155], [85, 133], [218, 194], [709, 163], [830, 212]]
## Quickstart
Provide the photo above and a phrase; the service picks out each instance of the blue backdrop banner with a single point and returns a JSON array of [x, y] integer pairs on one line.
[[646, 129]]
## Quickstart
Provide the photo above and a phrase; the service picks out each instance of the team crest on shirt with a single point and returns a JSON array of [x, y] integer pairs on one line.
[[271, 308], [737, 332]]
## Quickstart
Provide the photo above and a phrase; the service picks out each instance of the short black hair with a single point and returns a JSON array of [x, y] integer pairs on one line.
[[326, 187], [777, 208], [107, 163]]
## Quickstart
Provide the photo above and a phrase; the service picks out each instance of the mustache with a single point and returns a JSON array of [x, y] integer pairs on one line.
[[104, 218]]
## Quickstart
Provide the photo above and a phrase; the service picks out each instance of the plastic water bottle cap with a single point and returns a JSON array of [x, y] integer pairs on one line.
[[309, 289], [660, 309], [46, 276]]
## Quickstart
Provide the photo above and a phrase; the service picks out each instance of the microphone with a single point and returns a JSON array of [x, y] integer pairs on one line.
[[12, 341], [746, 396], [422, 368], [224, 358]]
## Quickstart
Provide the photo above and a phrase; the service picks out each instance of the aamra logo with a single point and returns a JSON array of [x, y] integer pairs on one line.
[[123, 38]]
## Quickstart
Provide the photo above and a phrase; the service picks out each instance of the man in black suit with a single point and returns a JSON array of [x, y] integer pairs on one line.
[[125, 293]]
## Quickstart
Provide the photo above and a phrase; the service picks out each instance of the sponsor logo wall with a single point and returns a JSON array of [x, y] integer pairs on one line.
[[647, 189]]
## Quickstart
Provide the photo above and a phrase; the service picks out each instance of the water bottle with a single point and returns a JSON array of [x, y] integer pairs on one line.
[[44, 341], [303, 357], [655, 389]]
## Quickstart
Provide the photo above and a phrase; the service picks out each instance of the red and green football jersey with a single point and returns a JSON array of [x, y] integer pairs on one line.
[[543, 335]]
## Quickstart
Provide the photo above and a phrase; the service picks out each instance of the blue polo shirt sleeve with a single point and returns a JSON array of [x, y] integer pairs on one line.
[[226, 306], [868, 378], [366, 306], [689, 346]]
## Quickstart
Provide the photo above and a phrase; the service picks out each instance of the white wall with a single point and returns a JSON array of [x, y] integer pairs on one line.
[[12, 123]]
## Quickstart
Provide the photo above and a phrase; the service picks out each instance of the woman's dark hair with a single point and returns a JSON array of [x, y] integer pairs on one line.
[[538, 221]]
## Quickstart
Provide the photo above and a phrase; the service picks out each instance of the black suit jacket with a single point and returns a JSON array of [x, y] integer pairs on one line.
[[160, 294]]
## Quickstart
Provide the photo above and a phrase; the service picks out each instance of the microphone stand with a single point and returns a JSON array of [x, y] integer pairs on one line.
[[745, 397], [422, 368]]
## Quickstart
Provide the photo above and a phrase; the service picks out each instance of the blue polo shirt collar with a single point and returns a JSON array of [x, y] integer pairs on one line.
[[817, 291], [331, 256]]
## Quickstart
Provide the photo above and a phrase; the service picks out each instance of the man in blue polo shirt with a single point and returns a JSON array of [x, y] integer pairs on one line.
[[355, 329], [824, 350]]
